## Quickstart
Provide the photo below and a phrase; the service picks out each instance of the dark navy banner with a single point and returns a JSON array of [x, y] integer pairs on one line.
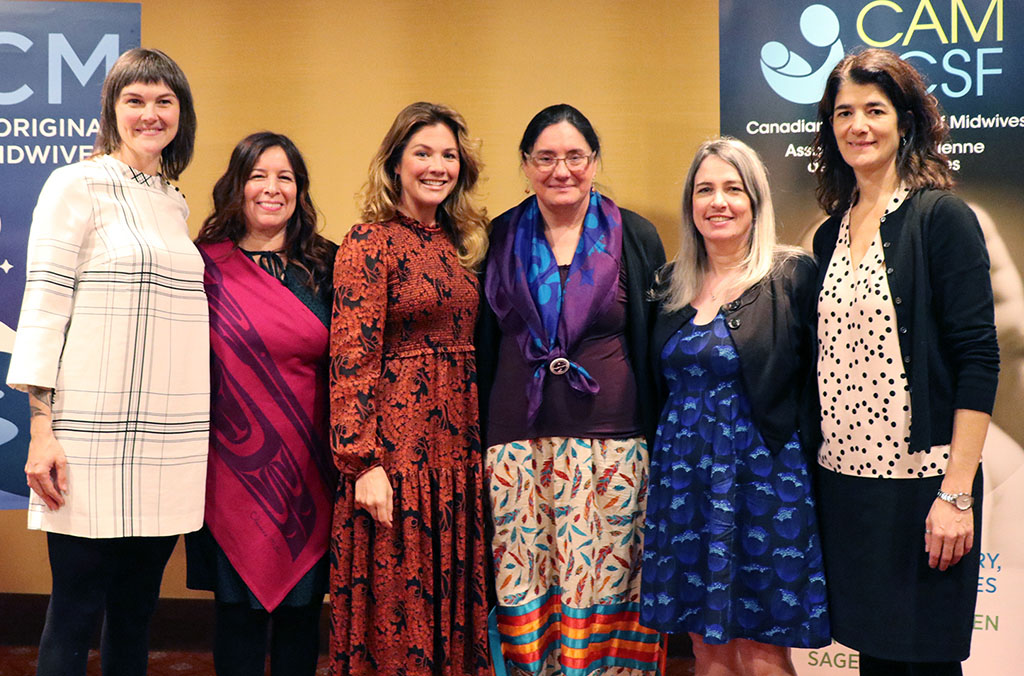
[[53, 58], [775, 57]]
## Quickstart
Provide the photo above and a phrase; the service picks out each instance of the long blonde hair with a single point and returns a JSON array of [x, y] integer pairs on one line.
[[458, 214], [685, 274]]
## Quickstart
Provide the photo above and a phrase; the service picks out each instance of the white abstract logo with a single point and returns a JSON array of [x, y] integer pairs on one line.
[[788, 73]]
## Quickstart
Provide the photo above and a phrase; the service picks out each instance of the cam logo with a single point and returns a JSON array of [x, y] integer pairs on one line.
[[788, 73]]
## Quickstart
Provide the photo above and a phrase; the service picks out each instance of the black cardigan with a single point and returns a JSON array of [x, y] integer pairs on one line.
[[772, 327], [642, 255], [938, 272]]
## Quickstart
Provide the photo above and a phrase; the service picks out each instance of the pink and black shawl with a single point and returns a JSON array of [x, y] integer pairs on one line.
[[268, 501]]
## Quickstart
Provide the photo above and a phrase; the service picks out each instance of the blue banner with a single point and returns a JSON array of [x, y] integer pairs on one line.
[[53, 58]]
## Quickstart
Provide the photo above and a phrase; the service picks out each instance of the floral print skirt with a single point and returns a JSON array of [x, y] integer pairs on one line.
[[568, 519]]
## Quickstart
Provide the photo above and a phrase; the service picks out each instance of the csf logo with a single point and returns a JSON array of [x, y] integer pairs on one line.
[[59, 53], [957, 50], [790, 75]]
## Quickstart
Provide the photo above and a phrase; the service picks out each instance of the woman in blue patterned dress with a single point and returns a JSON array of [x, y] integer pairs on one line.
[[731, 552]]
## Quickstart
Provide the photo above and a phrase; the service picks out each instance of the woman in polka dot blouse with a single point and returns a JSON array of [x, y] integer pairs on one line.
[[907, 370]]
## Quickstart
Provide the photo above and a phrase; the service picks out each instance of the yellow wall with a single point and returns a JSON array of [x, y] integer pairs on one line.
[[333, 74]]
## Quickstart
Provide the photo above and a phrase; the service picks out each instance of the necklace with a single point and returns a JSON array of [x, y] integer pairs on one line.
[[723, 284]]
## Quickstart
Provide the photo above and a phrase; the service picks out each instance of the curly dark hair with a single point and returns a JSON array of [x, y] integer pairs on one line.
[[919, 164], [303, 246]]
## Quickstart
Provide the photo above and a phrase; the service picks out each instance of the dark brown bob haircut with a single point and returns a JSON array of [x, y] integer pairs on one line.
[[919, 164], [303, 246], [149, 66]]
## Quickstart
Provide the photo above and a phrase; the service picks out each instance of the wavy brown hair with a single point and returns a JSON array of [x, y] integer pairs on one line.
[[303, 246], [461, 218], [149, 66], [919, 164]]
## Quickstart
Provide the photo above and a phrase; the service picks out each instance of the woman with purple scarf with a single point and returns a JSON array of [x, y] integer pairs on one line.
[[269, 489], [566, 411]]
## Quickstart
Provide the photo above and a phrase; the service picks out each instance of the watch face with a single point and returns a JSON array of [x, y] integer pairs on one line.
[[964, 501]]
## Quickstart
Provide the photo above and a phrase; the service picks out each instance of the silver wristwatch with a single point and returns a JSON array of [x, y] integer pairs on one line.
[[962, 501]]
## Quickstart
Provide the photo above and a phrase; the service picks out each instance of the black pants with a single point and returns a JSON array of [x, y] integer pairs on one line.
[[240, 642], [873, 666], [117, 579]]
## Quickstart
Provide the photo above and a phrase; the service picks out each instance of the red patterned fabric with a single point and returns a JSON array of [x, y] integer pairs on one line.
[[409, 600]]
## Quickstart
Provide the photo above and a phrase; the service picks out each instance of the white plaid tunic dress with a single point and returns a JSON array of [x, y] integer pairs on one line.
[[114, 320]]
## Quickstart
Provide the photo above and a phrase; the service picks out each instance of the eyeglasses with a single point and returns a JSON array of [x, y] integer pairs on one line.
[[574, 162]]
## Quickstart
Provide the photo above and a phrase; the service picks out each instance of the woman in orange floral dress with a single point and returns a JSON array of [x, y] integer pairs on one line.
[[408, 569]]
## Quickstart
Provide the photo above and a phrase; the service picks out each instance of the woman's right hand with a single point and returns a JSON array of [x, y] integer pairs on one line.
[[46, 469], [374, 494]]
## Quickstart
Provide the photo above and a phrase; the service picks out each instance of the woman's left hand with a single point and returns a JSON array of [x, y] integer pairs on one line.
[[948, 534]]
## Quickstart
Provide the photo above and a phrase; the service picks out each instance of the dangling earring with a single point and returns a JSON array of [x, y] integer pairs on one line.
[[903, 141]]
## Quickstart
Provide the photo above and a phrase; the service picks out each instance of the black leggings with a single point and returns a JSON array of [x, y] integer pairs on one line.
[[873, 666], [117, 579], [240, 642]]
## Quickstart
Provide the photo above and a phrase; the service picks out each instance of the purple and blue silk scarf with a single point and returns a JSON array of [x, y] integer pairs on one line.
[[523, 286]]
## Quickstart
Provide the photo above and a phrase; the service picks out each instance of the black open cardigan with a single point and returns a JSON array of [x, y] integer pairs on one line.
[[938, 270], [772, 326]]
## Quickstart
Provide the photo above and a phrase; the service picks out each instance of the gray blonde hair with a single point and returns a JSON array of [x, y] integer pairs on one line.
[[685, 274]]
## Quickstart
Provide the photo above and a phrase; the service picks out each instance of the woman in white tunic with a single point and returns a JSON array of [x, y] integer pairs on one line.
[[113, 350]]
